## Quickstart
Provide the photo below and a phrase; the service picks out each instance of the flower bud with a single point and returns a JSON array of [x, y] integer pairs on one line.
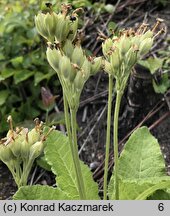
[[25, 149], [40, 25], [124, 45], [86, 69], [95, 65], [62, 28], [130, 58], [65, 66], [33, 136], [107, 67], [68, 48], [5, 153], [54, 57], [115, 60], [36, 150], [148, 34], [78, 56], [73, 30], [79, 81], [106, 46], [145, 46], [15, 145], [50, 22]]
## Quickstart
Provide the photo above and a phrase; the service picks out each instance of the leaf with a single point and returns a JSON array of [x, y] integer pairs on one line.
[[58, 155], [43, 163], [7, 72], [17, 61], [141, 157], [38, 77], [164, 84], [39, 192], [141, 164], [22, 75], [141, 189], [3, 96], [151, 190], [153, 64]]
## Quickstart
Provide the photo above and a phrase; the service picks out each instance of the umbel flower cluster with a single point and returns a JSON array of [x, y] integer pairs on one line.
[[124, 50], [64, 52], [20, 148]]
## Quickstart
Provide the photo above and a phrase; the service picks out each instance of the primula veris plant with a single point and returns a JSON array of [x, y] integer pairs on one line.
[[73, 67], [20, 148], [121, 53], [140, 170]]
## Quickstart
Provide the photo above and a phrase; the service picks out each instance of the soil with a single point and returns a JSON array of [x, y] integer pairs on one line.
[[139, 99]]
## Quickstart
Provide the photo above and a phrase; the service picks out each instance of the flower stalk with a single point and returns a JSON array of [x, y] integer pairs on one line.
[[108, 136]]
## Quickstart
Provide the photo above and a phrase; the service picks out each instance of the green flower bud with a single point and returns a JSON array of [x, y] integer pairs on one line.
[[15, 145], [107, 67], [78, 56], [148, 34], [115, 60], [130, 58], [106, 47], [86, 68], [50, 22], [73, 29], [145, 46], [79, 81], [54, 56], [68, 48], [65, 67], [25, 149], [36, 150], [40, 25], [62, 28], [5, 153], [33, 136], [95, 65], [124, 45]]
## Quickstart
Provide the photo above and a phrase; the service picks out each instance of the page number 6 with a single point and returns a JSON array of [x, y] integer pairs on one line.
[[161, 207]]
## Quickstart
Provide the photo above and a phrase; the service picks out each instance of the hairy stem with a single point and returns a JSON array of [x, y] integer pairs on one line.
[[73, 146], [108, 136], [79, 176], [116, 168]]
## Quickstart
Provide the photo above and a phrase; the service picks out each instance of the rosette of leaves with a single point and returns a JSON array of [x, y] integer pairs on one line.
[[73, 68], [20, 148]]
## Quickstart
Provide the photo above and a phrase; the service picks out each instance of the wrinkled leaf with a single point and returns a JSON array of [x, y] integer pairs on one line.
[[141, 165], [39, 192], [58, 155]]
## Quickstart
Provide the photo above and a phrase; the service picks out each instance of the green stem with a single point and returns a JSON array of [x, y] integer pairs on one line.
[[46, 116], [73, 146], [67, 118], [108, 136], [76, 160], [116, 118]]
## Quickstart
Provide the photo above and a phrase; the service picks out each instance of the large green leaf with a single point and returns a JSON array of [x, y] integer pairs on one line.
[[39, 192], [141, 157], [58, 155], [141, 167], [141, 189]]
